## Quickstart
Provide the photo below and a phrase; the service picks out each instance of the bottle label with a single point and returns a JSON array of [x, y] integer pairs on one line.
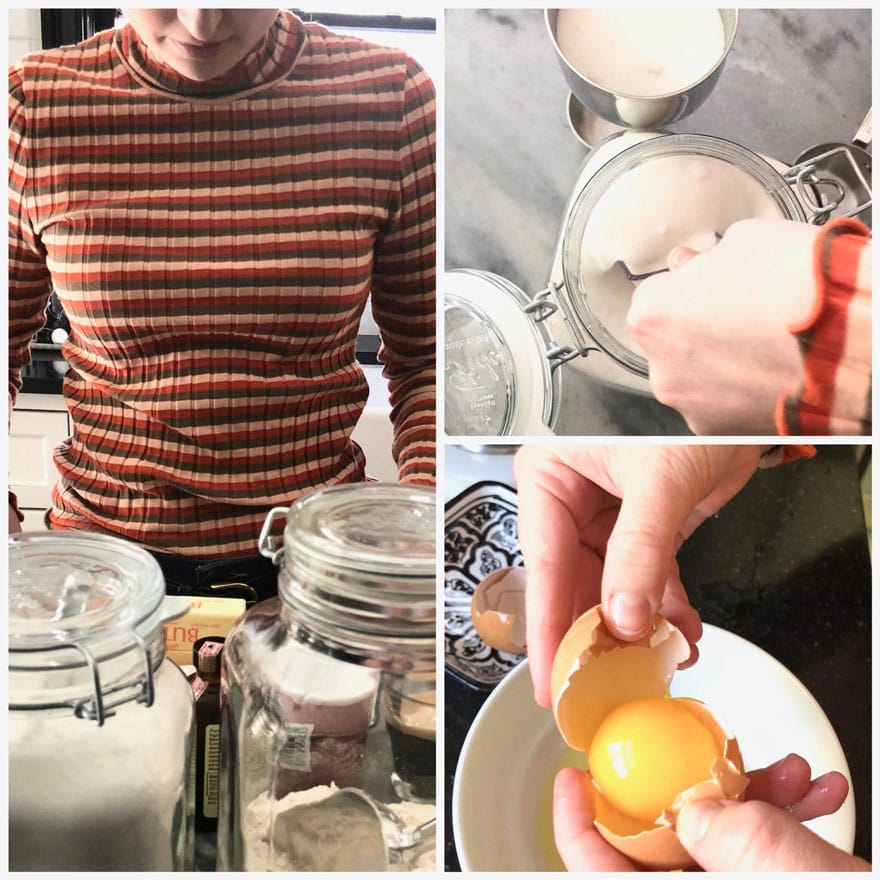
[[211, 779]]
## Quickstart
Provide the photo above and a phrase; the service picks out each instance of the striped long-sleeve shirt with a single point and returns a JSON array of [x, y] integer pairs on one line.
[[213, 245], [834, 396]]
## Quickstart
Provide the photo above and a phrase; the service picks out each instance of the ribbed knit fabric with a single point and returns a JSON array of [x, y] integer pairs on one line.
[[213, 245], [834, 396]]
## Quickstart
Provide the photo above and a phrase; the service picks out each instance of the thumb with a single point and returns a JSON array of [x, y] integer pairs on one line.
[[658, 492], [755, 836], [678, 256]]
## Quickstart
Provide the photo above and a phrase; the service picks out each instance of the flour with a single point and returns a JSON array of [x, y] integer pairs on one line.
[[309, 837]]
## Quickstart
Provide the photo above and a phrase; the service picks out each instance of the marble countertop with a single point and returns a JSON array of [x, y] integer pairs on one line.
[[794, 78], [785, 565]]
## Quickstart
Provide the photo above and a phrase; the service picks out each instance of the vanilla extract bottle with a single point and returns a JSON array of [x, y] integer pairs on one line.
[[206, 693]]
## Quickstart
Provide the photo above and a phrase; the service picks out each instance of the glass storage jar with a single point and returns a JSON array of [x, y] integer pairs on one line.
[[99, 722], [312, 682], [638, 194], [658, 192]]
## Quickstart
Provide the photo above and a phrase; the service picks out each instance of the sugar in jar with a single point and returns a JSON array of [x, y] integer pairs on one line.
[[99, 720]]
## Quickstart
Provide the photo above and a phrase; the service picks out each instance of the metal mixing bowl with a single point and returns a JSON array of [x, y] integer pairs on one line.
[[638, 111]]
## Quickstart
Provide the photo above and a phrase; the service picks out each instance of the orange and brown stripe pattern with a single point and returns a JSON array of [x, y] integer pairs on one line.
[[213, 246], [835, 394]]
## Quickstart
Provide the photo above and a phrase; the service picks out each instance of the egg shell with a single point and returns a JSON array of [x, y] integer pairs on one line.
[[594, 672], [498, 610], [659, 848]]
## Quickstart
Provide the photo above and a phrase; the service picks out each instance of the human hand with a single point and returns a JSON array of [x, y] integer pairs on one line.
[[761, 834], [604, 523], [716, 328]]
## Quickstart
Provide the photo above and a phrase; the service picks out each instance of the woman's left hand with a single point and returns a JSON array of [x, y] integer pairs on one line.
[[785, 785]]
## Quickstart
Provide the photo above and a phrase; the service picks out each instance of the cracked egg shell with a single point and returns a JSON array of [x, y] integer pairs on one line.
[[594, 674], [498, 610]]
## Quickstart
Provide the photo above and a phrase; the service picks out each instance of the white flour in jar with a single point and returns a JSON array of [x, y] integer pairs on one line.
[[110, 798], [328, 841], [641, 52], [663, 203]]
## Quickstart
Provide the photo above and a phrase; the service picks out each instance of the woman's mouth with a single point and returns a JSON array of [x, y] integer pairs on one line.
[[198, 51]]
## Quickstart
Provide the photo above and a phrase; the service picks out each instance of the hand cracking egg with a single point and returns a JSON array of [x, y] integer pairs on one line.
[[647, 753]]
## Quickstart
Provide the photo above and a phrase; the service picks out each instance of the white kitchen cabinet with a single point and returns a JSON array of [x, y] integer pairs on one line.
[[39, 423]]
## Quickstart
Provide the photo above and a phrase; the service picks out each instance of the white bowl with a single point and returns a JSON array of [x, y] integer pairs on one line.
[[501, 798]]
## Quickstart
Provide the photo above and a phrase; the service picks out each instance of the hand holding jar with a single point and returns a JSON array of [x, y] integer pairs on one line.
[[717, 328]]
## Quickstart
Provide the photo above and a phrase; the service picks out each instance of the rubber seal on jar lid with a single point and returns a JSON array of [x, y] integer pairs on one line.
[[498, 380]]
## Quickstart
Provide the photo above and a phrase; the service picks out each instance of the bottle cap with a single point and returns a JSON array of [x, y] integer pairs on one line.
[[206, 655]]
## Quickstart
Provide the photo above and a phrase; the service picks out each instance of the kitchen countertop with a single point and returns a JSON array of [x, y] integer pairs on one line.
[[793, 79], [785, 565]]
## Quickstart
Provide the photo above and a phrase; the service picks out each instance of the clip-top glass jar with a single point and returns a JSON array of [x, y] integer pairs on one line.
[[328, 719], [100, 722]]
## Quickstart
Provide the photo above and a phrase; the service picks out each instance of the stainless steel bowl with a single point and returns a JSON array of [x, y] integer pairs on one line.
[[638, 111]]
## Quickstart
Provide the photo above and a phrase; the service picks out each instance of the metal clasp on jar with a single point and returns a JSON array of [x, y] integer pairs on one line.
[[268, 544], [810, 186], [97, 708], [541, 307]]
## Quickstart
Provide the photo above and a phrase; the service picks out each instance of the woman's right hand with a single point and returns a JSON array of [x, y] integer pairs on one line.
[[731, 311], [603, 523]]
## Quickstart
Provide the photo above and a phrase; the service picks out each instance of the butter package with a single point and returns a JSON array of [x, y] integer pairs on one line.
[[207, 616]]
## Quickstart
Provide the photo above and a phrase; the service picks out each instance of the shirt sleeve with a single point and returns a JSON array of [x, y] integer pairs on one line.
[[29, 283], [404, 288], [772, 456], [834, 396]]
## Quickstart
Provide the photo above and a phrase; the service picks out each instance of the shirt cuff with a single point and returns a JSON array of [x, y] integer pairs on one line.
[[833, 396], [771, 456]]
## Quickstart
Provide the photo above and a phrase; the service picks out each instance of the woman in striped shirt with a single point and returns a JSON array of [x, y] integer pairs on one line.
[[213, 194]]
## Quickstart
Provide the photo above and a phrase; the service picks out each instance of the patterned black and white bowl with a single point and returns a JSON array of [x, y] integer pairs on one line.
[[480, 537]]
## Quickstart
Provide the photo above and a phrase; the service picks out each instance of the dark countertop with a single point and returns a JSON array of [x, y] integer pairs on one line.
[[786, 565]]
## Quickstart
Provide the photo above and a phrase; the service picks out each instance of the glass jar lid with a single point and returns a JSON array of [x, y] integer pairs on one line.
[[679, 189], [75, 587], [373, 528], [498, 378], [85, 615], [358, 570]]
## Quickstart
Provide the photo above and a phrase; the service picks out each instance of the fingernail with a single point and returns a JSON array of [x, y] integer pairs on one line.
[[630, 613], [697, 815], [678, 256]]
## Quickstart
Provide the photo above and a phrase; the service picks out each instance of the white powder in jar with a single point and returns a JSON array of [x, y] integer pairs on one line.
[[666, 202], [327, 840], [110, 798]]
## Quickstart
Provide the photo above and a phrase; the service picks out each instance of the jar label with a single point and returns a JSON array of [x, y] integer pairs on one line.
[[296, 747]]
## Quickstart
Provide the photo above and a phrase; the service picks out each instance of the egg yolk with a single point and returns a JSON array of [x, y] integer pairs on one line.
[[646, 752]]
